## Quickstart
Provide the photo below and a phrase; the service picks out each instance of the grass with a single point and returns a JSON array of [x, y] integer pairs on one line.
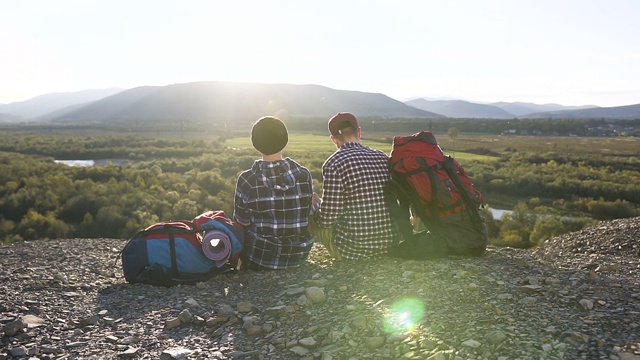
[[299, 142]]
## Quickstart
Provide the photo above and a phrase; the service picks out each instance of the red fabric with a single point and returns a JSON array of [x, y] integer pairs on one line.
[[405, 153]]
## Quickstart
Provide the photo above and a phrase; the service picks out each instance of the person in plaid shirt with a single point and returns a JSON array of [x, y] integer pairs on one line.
[[273, 203], [352, 219]]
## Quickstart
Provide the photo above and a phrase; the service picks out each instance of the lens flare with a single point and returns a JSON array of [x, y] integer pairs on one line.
[[404, 315]]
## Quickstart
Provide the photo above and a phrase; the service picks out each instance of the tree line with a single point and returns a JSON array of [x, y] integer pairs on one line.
[[175, 179]]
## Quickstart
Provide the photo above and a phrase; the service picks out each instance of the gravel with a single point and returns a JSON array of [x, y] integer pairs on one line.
[[576, 297]]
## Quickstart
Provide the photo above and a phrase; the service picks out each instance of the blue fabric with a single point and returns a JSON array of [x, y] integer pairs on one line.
[[190, 259], [234, 233]]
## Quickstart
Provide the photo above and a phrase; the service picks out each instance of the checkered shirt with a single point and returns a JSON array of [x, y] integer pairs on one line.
[[354, 178], [273, 201]]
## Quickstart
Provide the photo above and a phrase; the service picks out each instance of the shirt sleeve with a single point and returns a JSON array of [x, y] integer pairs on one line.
[[332, 198], [240, 211]]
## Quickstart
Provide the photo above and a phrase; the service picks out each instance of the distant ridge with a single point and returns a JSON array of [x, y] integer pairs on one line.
[[231, 101], [461, 109], [525, 108], [43, 104], [617, 112], [244, 102]]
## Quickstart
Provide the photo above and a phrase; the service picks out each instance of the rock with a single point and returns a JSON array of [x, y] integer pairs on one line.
[[185, 316], [14, 327], [530, 289], [244, 307], [471, 343], [19, 351], [586, 304], [130, 352], [316, 283], [177, 353], [375, 342], [316, 295], [302, 300], [91, 320], [191, 302], [299, 350], [267, 328], [275, 311], [253, 330], [295, 291], [496, 337], [226, 310], [33, 321], [172, 323], [308, 342]]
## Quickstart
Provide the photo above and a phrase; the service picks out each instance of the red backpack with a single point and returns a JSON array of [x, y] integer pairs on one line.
[[436, 189]]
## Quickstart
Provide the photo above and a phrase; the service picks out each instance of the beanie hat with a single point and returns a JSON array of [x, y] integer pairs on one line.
[[342, 122], [269, 135]]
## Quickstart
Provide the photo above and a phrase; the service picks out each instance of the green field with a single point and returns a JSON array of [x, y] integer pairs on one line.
[[321, 144]]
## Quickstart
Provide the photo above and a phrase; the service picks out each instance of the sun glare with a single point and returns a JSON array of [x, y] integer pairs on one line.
[[404, 315]]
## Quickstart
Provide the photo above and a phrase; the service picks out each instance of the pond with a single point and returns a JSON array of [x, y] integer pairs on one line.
[[98, 162]]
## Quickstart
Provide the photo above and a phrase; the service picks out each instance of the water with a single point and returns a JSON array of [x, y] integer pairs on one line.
[[99, 162], [497, 213]]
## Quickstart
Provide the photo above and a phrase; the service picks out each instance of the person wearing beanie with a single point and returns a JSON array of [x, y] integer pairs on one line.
[[273, 202], [352, 219]]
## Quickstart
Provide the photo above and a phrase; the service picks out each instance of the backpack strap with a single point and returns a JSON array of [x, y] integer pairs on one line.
[[174, 259], [476, 219]]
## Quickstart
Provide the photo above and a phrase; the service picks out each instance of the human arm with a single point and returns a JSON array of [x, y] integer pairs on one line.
[[331, 208], [240, 212]]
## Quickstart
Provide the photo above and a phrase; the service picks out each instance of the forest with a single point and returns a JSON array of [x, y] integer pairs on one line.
[[552, 185]]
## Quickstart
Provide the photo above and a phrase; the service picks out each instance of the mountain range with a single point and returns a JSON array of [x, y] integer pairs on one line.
[[229, 101]]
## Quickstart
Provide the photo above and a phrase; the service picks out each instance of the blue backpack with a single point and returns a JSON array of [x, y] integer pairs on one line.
[[171, 252]]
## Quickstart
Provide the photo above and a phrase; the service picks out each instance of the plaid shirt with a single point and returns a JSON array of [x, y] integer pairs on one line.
[[273, 201], [354, 178]]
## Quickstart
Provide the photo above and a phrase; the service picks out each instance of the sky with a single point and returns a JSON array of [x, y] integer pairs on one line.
[[569, 52]]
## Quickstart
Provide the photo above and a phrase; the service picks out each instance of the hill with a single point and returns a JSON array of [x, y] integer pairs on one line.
[[461, 109], [43, 104], [227, 101], [617, 112], [574, 298], [525, 108]]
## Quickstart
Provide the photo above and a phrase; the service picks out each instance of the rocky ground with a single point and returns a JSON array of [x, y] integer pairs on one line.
[[578, 297]]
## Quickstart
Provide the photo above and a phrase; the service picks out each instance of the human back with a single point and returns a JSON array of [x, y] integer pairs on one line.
[[273, 202], [353, 201]]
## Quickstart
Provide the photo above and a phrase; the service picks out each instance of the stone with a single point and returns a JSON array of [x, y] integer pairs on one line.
[[191, 302], [299, 350], [178, 353], [586, 304], [308, 342], [295, 291], [185, 316], [226, 310], [172, 323], [244, 307], [275, 311], [316, 295], [91, 320], [471, 343], [316, 282], [14, 327], [19, 351], [496, 337], [302, 300], [130, 352], [33, 321], [375, 342]]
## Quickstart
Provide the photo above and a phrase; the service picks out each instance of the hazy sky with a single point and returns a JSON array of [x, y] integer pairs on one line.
[[572, 52]]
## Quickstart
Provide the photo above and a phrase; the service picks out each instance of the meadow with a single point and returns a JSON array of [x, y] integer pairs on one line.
[[321, 144]]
